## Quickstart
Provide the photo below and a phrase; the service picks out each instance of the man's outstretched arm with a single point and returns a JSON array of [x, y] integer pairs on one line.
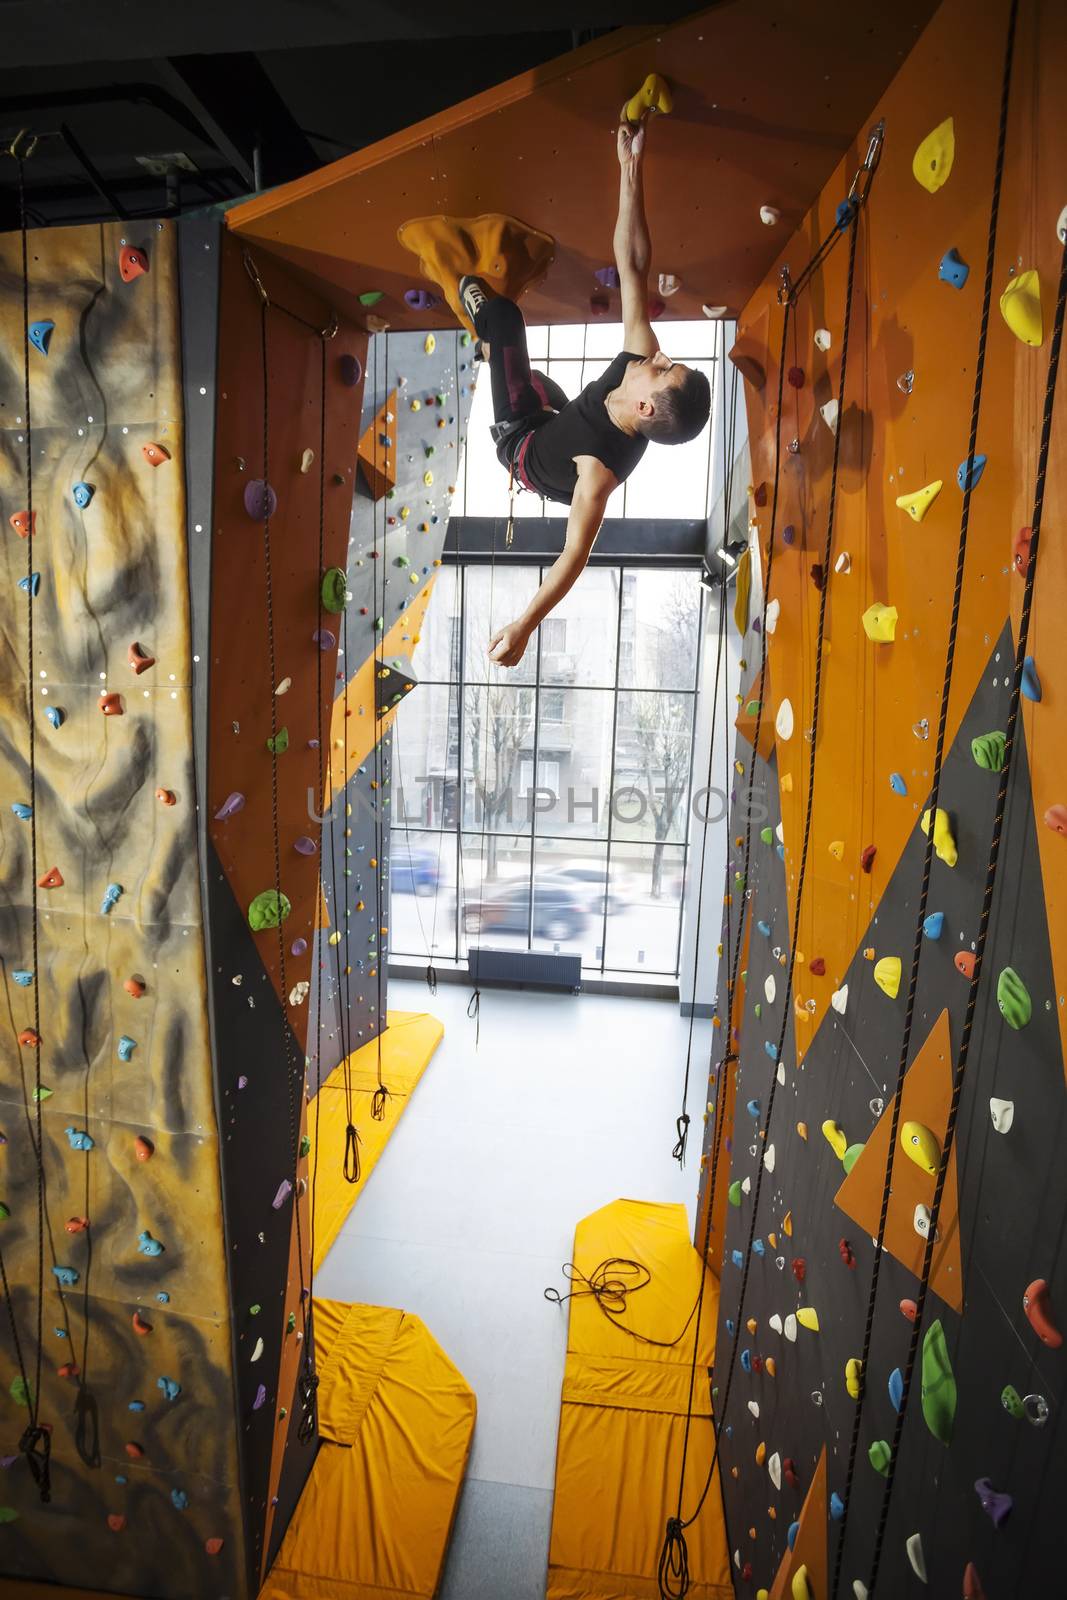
[[633, 246], [595, 483]]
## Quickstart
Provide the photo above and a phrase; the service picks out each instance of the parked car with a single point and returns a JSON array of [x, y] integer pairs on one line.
[[588, 880], [560, 910], [414, 869]]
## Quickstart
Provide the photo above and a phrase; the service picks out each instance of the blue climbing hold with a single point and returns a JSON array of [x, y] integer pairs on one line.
[[126, 1047], [31, 585], [136, 1405], [41, 335], [771, 1049], [897, 784], [970, 479], [780, 850], [837, 1506], [1030, 683], [953, 269], [791, 1535], [83, 493], [22, 810], [163, 1297], [78, 1139], [55, 716], [111, 898], [758, 1247], [746, 1360], [730, 1326], [179, 1499], [147, 1245], [120, 1477], [896, 1387], [22, 977], [764, 928], [933, 925], [753, 1108], [737, 1258], [67, 1276], [171, 1389]]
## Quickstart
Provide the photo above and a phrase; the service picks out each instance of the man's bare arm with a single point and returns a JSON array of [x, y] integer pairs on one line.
[[633, 246], [595, 483]]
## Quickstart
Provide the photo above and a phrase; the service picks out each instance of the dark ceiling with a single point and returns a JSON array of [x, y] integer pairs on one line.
[[148, 111]]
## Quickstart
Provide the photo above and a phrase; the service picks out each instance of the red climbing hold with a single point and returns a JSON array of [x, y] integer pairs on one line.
[[111, 705], [116, 1521], [166, 797], [1038, 1308], [143, 1148], [655, 307], [139, 661], [29, 1036], [759, 494], [1056, 819], [846, 1252], [964, 963], [1020, 550], [817, 966], [800, 1269], [746, 1572], [818, 576], [789, 1472], [135, 986], [909, 1309], [53, 879], [76, 1224], [867, 857], [133, 263], [972, 1583], [213, 1546], [155, 454], [69, 1369], [134, 1450], [22, 522], [140, 1325], [599, 304], [795, 377]]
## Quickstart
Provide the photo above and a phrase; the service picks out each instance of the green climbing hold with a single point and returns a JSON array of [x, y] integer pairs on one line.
[[305, 1143], [279, 744], [851, 1156], [938, 1384], [268, 910], [1011, 1400], [988, 751], [766, 835], [334, 590], [8, 1514], [4, 1212], [753, 708], [879, 1456], [758, 1008], [402, 561], [20, 1391], [733, 1194], [1013, 998], [370, 297], [253, 1311]]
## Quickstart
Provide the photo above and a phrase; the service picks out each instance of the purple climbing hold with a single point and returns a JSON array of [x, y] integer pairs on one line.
[[421, 299], [305, 846], [324, 638], [261, 1397], [789, 533], [242, 1082], [350, 369], [285, 1189], [298, 947], [607, 277], [996, 1505], [230, 806], [260, 500]]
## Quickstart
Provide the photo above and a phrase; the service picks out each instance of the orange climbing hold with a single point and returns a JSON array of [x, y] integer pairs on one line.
[[111, 705], [965, 963], [29, 1037], [53, 879], [23, 522], [133, 263], [143, 1148], [155, 454], [140, 1325], [138, 659], [507, 254]]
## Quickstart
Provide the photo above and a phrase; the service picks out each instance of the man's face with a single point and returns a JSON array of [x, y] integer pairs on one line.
[[649, 377]]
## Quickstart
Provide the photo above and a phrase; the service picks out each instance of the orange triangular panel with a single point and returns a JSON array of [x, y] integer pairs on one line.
[[376, 457], [809, 1550]]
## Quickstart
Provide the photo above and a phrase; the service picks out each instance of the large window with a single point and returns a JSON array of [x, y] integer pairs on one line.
[[547, 807]]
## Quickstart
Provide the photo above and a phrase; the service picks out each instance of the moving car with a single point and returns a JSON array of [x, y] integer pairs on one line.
[[415, 869], [560, 909]]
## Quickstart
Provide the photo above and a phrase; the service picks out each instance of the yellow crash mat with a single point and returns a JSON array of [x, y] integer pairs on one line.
[[623, 1415], [396, 1419], [407, 1045], [508, 254]]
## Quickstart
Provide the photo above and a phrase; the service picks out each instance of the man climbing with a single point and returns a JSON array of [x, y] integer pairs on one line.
[[578, 451]]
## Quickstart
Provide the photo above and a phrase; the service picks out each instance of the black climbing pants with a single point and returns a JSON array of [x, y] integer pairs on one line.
[[518, 392]]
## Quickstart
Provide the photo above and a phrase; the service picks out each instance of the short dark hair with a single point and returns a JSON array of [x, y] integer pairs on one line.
[[681, 410]]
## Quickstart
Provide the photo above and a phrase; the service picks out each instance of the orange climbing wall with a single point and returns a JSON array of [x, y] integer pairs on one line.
[[541, 147], [1002, 1223], [110, 575]]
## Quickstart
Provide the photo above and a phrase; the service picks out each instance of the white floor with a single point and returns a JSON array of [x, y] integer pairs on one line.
[[567, 1102]]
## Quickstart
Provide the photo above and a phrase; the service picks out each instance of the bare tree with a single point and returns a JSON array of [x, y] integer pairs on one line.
[[663, 721], [497, 732]]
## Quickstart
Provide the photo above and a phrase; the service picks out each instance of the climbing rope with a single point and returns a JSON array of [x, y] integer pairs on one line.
[[35, 1442], [682, 1124], [380, 1097], [673, 1574], [611, 1284]]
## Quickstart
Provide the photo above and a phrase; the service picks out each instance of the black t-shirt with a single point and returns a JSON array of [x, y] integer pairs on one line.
[[583, 428]]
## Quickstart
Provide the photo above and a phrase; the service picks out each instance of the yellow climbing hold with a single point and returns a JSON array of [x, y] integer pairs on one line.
[[743, 592], [770, 1366], [854, 1377], [837, 849], [808, 1318], [887, 975], [932, 161], [800, 1588], [653, 95], [787, 1224], [834, 1135], [920, 1146], [919, 503], [1020, 306], [802, 1129], [761, 1453], [944, 841], [880, 623], [429, 344]]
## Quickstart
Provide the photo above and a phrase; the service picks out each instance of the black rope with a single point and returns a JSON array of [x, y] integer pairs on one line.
[[934, 794], [610, 1285], [351, 1164]]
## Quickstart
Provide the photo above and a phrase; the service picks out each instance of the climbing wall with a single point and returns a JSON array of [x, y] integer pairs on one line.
[[903, 428], [136, 1352]]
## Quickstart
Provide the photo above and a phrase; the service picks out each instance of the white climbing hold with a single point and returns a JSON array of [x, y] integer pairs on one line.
[[1002, 1113], [780, 1074], [746, 1185], [921, 1223], [843, 562], [839, 999], [715, 312], [1061, 226], [768, 1158], [774, 1470], [769, 215], [258, 1351], [823, 339], [774, 611], [783, 722], [753, 1406], [774, 1321], [828, 413], [770, 988], [669, 283], [284, 687], [299, 992], [859, 1589], [914, 1547], [790, 1329], [306, 459]]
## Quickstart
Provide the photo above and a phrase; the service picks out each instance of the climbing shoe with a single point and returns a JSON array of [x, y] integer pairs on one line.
[[472, 296]]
